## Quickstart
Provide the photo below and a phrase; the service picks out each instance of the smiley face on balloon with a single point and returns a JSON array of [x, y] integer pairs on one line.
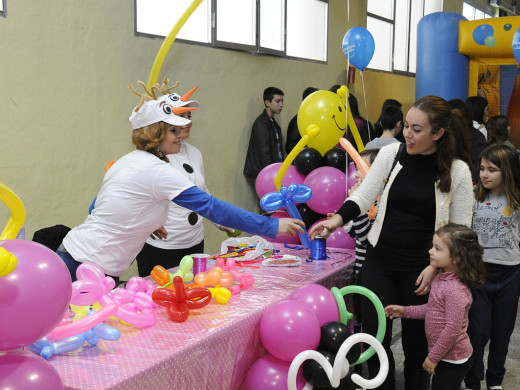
[[326, 110]]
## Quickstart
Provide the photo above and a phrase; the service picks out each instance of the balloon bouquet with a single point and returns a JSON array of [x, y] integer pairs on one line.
[[309, 344], [34, 297], [319, 181]]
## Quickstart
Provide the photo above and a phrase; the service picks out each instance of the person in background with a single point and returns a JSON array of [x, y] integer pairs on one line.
[[478, 110], [458, 256], [378, 129], [136, 192], [391, 119], [496, 220], [293, 133], [475, 140], [422, 185], [499, 128], [184, 228], [265, 142]]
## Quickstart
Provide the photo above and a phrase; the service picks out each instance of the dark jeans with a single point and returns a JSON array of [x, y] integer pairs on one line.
[[395, 286], [73, 265], [150, 256], [449, 376], [492, 319]]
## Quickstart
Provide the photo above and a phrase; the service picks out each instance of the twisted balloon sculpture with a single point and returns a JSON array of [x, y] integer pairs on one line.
[[286, 197]]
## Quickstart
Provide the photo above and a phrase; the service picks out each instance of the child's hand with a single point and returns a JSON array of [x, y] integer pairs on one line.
[[394, 311], [429, 366]]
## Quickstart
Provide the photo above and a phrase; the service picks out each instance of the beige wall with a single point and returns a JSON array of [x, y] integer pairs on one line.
[[65, 104]]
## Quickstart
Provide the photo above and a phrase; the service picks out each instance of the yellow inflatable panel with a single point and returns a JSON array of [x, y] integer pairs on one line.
[[488, 38]]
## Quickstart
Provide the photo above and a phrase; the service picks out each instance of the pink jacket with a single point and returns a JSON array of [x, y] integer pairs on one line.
[[446, 318]]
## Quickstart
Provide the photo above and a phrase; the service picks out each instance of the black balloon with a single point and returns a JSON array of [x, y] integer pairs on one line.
[[333, 334], [336, 158], [308, 160], [309, 216], [314, 373]]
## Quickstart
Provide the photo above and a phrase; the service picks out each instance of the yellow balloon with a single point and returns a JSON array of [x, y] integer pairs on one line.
[[17, 208], [8, 262], [168, 42], [326, 110]]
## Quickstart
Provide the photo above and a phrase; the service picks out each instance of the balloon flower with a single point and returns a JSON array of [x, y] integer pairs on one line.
[[179, 302], [164, 279], [246, 279], [47, 349], [286, 197]]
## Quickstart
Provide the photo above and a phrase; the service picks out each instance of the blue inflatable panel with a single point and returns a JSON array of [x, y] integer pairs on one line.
[[441, 69]]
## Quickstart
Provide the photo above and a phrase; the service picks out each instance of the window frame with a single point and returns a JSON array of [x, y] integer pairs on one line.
[[252, 49], [3, 11], [408, 47]]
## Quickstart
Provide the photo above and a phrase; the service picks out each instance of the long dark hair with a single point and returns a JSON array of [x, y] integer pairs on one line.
[[451, 144]]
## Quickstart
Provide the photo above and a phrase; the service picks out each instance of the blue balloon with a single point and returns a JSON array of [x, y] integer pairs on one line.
[[516, 45], [358, 46], [480, 33]]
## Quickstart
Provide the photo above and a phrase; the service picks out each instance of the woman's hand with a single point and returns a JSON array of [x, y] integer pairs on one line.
[[326, 228], [394, 311], [429, 366], [160, 233], [290, 226], [425, 279]]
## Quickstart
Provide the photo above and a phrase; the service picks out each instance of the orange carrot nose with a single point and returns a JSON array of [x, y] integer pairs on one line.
[[182, 110], [188, 94]]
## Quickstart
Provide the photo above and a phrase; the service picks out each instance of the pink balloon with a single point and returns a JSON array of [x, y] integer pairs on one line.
[[328, 185], [288, 328], [338, 239], [280, 237], [320, 300], [34, 297], [341, 239], [271, 373], [23, 370], [351, 175], [265, 179]]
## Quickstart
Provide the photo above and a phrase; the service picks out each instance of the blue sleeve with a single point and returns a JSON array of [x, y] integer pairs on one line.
[[226, 214]]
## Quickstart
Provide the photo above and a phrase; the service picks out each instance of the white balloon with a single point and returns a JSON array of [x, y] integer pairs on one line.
[[341, 364]]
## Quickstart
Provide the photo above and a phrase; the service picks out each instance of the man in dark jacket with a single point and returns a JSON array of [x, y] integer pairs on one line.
[[265, 143]]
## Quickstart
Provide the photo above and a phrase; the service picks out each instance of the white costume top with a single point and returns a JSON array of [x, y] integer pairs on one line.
[[182, 234], [132, 203]]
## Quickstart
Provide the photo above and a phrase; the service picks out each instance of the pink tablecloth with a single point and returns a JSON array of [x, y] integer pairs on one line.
[[213, 349]]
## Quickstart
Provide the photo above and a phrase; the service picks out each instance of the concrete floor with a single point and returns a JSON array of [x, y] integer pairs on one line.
[[511, 380]]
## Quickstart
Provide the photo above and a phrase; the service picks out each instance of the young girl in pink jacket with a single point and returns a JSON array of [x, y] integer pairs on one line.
[[457, 254]]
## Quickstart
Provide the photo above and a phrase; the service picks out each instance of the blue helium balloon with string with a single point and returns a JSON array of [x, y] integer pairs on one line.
[[286, 197], [359, 46]]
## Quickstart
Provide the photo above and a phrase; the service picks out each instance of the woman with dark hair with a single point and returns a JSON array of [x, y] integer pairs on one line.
[[423, 186], [136, 192], [499, 128], [478, 109]]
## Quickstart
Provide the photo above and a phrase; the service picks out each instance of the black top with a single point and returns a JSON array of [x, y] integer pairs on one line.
[[265, 145]]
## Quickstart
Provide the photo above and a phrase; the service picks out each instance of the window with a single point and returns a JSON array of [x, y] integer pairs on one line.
[[287, 28], [472, 13], [3, 7], [393, 24]]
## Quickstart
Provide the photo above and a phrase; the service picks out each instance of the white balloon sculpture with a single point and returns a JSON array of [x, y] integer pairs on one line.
[[341, 364]]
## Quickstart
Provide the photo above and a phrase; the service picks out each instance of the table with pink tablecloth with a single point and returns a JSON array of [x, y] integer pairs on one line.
[[213, 349]]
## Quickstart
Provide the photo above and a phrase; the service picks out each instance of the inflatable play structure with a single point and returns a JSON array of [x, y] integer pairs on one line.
[[457, 58]]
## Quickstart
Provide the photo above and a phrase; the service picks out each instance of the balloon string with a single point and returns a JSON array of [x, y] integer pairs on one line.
[[366, 110]]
